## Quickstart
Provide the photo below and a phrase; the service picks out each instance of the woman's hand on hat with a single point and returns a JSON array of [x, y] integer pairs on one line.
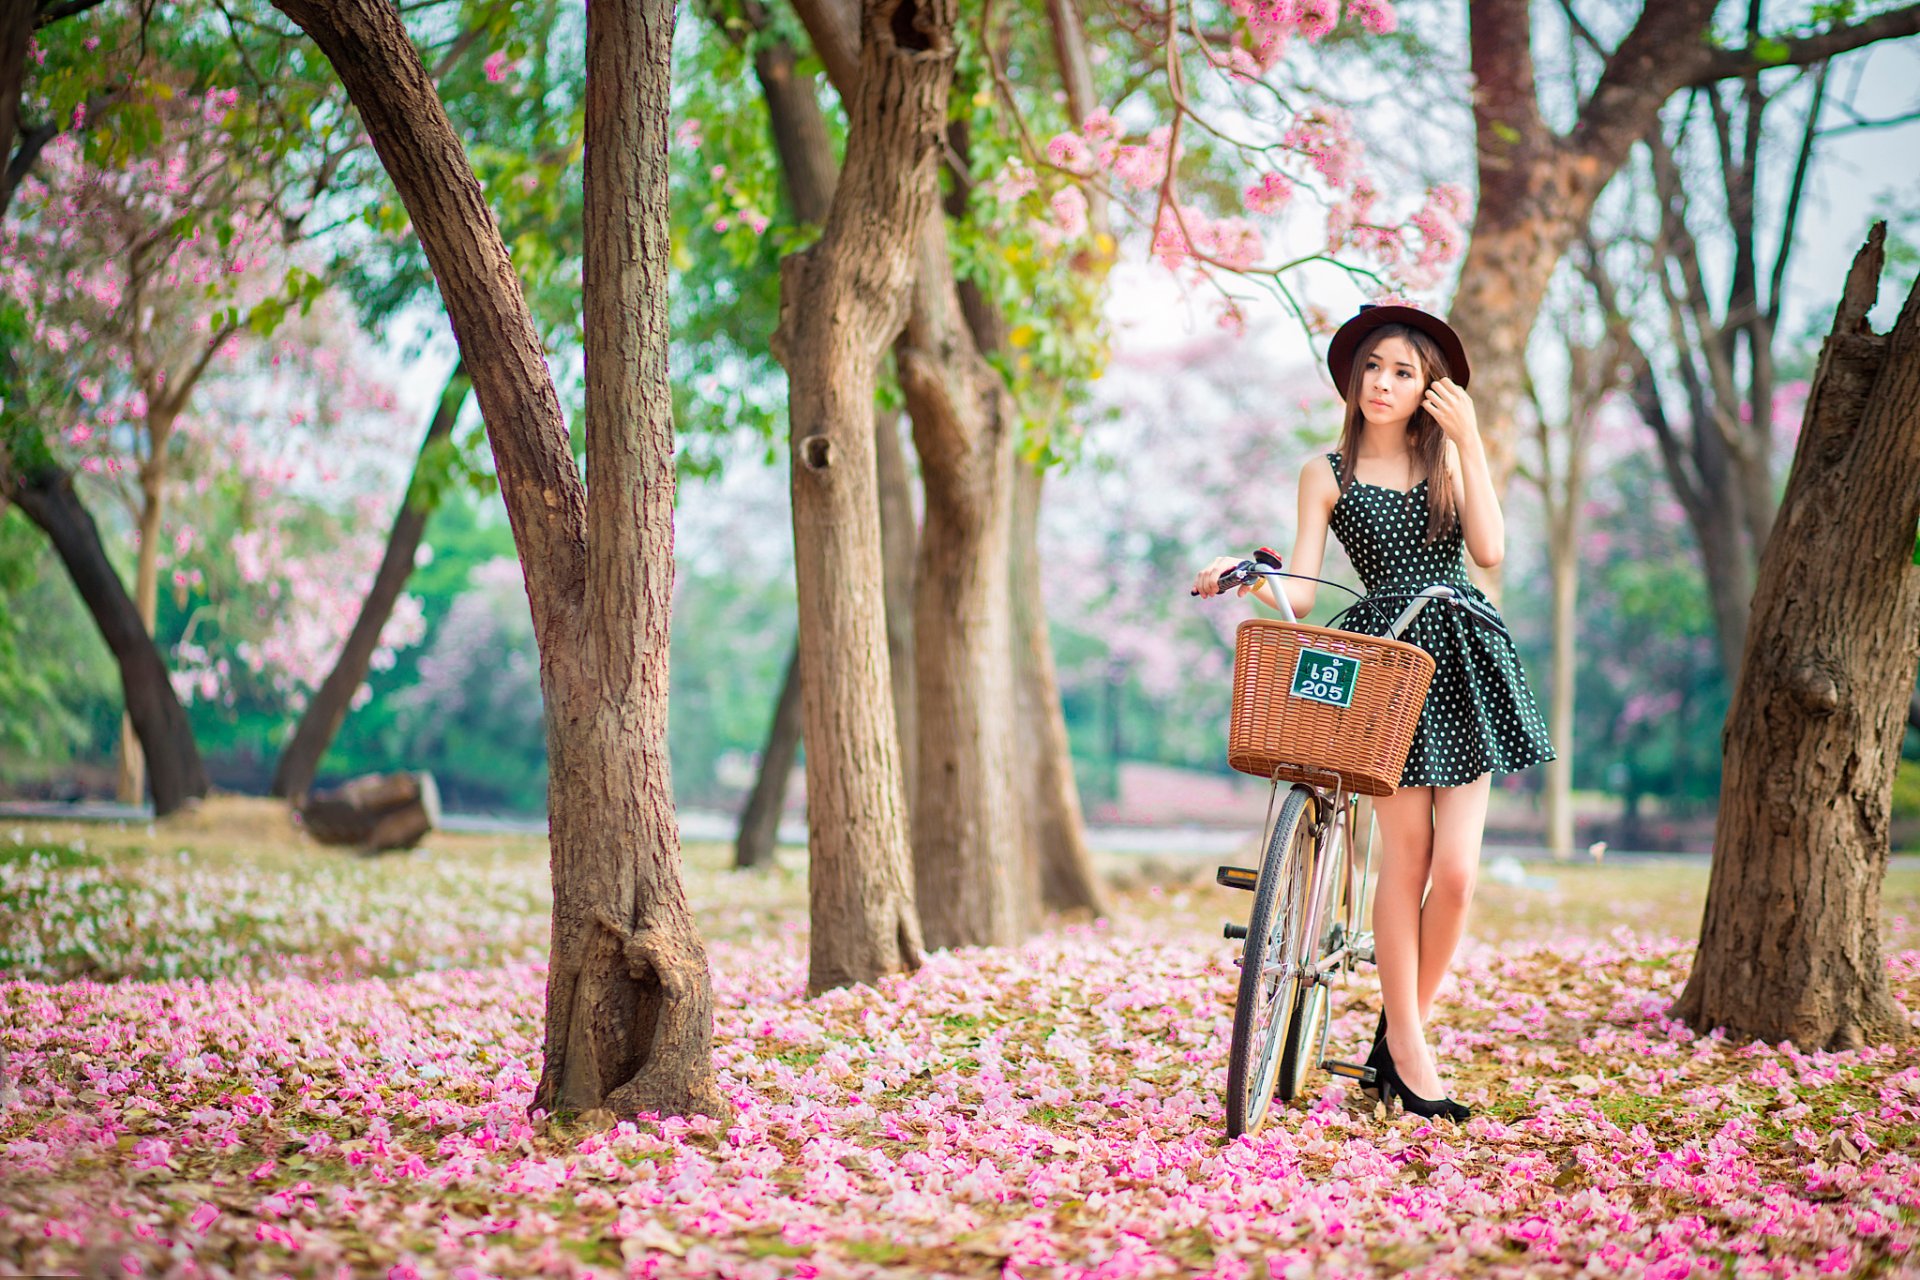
[[1448, 404]]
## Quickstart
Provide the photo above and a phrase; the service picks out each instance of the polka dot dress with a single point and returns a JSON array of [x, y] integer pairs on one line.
[[1479, 716]]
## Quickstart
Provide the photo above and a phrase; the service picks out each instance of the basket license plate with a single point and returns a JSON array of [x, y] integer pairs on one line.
[[1325, 677]]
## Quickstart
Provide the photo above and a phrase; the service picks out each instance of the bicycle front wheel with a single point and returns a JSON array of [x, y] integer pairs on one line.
[[1269, 978], [1324, 935]]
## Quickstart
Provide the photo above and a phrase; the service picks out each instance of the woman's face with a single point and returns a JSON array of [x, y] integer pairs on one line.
[[1391, 383]]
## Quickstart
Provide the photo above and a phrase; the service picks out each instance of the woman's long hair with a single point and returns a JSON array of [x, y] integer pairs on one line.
[[1427, 442]]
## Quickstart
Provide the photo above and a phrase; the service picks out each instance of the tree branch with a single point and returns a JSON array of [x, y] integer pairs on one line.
[[1724, 64], [72, 8], [1799, 184]]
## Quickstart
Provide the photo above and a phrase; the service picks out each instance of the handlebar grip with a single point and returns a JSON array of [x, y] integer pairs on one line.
[[1239, 575]]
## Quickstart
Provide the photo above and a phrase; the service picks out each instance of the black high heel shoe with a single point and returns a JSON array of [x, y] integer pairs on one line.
[[1377, 1059], [1392, 1087]]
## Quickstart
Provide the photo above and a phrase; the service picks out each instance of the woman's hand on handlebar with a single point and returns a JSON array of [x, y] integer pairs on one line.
[[1207, 581]]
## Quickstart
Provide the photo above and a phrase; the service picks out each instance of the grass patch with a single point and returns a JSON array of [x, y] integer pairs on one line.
[[72, 854]]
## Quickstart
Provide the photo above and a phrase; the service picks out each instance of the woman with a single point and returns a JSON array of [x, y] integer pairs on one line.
[[1409, 495]]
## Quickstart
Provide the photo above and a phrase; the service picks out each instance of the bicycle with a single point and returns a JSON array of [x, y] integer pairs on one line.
[[1309, 892]]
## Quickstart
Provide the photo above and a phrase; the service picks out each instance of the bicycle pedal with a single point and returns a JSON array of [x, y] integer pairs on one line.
[[1234, 931], [1237, 877], [1350, 1070]]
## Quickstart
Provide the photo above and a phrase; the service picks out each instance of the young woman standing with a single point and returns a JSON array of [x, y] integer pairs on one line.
[[1409, 495]]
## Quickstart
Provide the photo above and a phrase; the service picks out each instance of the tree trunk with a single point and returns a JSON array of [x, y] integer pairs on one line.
[[899, 551], [629, 1001], [1563, 555], [965, 839], [1053, 837], [16, 34], [327, 710], [841, 302], [811, 172], [760, 820], [146, 586], [1537, 189], [1790, 942], [175, 774]]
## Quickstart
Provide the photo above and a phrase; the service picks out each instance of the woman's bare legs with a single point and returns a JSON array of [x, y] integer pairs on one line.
[[1406, 838], [1459, 822], [1429, 864]]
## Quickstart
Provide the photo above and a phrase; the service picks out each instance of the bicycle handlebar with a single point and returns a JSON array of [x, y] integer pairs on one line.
[[1267, 565]]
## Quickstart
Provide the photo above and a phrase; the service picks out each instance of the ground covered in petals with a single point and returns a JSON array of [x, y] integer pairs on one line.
[[277, 1060]]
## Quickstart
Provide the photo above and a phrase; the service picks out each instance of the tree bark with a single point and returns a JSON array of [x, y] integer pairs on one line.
[[899, 552], [760, 820], [327, 710], [1537, 188], [841, 302], [965, 839], [1790, 943], [175, 774], [16, 33], [1053, 836], [811, 172], [1566, 595], [629, 1017], [146, 581]]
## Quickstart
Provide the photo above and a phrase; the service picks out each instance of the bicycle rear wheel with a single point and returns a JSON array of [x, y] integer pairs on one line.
[[1269, 981]]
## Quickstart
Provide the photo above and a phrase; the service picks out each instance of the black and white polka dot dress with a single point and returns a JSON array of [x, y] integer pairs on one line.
[[1479, 717]]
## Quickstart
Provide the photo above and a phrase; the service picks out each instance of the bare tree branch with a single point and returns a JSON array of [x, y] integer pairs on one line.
[[1724, 64], [1792, 214]]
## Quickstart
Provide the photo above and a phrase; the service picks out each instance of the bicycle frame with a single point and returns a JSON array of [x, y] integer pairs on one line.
[[1295, 945], [1327, 848]]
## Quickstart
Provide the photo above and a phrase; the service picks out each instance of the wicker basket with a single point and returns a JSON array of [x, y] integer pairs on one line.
[[1287, 722]]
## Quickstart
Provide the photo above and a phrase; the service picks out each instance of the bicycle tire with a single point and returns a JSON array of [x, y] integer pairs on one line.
[[1278, 902], [1306, 1040]]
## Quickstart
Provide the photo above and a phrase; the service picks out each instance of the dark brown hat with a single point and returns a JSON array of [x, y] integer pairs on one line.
[[1347, 341]]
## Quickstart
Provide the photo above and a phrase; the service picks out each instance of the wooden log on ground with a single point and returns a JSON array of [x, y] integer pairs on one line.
[[374, 813]]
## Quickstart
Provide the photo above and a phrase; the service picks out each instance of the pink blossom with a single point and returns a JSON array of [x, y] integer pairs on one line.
[[1269, 195], [1070, 212], [497, 65], [1069, 151], [1377, 16]]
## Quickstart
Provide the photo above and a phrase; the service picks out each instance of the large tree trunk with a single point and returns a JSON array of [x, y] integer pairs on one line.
[[811, 172], [963, 846], [629, 1000], [1790, 942], [175, 773], [1537, 189], [1053, 838], [841, 302], [326, 711], [760, 820], [965, 840]]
